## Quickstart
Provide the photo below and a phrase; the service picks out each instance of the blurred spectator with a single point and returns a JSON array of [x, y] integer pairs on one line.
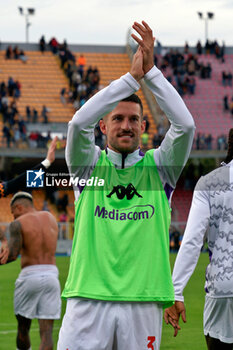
[[159, 47], [174, 239], [231, 106], [225, 103], [16, 52], [222, 142], [62, 203], [229, 79], [42, 44], [17, 89], [205, 71], [207, 47], [34, 116], [9, 53], [144, 141], [63, 218], [208, 141], [63, 96], [11, 86], [222, 52], [147, 123], [199, 48], [191, 84], [33, 139], [28, 114], [81, 63], [7, 134], [224, 78], [54, 45], [16, 135], [198, 141], [191, 66], [208, 70], [44, 114], [23, 57], [45, 206], [22, 128], [156, 141], [186, 48]]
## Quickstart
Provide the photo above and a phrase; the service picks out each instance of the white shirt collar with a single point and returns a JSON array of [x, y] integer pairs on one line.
[[116, 158]]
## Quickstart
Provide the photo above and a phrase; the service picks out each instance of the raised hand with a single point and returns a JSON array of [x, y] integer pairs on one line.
[[146, 43], [51, 151], [136, 67]]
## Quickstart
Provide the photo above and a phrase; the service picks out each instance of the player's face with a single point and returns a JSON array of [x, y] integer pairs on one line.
[[123, 127]]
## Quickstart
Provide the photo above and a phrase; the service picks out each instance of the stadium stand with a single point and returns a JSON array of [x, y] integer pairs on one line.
[[41, 79], [206, 105], [181, 202]]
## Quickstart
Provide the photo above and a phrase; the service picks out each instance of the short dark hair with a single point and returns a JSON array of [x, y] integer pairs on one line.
[[134, 98], [22, 195], [229, 156]]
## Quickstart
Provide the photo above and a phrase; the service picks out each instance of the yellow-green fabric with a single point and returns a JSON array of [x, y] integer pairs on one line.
[[121, 243]]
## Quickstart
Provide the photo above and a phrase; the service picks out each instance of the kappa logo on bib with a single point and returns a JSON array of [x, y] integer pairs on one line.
[[122, 192]]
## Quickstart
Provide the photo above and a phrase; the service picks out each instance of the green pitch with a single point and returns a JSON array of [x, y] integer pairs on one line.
[[190, 337]]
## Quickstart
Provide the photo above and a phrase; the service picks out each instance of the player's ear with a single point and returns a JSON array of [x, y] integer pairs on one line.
[[143, 126], [102, 126]]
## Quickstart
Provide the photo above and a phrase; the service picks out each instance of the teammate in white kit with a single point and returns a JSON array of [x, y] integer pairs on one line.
[[212, 209]]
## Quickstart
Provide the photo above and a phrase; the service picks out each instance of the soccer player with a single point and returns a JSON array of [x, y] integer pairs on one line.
[[33, 234], [119, 278], [212, 209]]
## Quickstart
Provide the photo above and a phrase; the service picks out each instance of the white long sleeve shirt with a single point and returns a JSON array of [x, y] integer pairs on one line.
[[82, 154], [212, 209]]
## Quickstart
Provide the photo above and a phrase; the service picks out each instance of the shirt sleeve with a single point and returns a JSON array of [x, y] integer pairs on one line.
[[81, 152], [174, 151], [189, 252], [18, 183]]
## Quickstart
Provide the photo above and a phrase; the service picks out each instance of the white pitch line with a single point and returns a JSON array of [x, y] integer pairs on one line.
[[15, 330]]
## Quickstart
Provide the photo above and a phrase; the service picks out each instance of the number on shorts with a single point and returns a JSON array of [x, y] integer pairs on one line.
[[150, 345]]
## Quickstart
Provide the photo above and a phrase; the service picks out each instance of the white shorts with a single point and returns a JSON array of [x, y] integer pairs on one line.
[[218, 318], [106, 325], [37, 293]]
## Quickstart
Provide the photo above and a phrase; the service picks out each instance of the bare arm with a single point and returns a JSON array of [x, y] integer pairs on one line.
[[4, 249], [51, 151], [15, 243]]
